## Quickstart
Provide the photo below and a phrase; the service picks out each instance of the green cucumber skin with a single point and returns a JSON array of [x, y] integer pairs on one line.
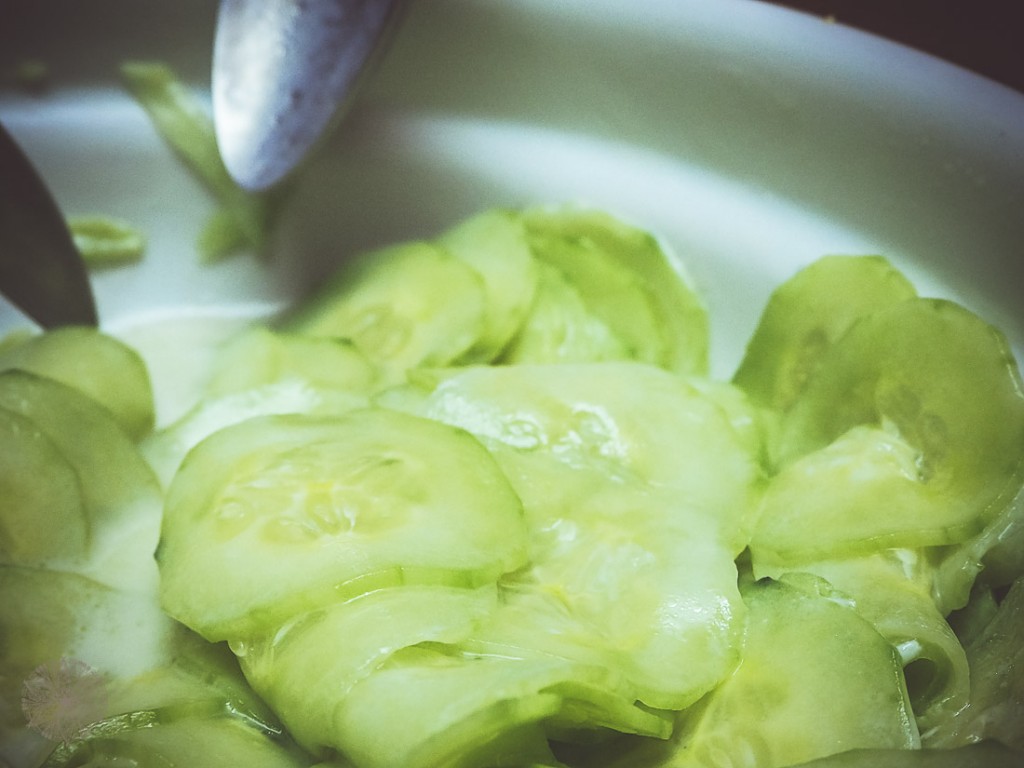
[[403, 306], [305, 667], [560, 329], [892, 591], [260, 356], [926, 374], [541, 643], [495, 244], [395, 499], [112, 473], [209, 741], [96, 364], [43, 522], [806, 315], [611, 291], [660, 316], [801, 649]]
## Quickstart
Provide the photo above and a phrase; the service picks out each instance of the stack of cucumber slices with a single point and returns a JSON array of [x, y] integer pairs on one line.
[[478, 504]]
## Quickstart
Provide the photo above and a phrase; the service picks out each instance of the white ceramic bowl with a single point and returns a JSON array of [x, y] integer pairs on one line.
[[750, 138]]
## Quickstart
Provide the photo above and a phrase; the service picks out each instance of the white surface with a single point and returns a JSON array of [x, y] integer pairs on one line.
[[751, 139]]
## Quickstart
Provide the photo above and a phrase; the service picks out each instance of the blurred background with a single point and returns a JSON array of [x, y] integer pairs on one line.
[[980, 35]]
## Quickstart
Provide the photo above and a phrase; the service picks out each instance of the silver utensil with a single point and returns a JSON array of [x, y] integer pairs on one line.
[[41, 270], [283, 73]]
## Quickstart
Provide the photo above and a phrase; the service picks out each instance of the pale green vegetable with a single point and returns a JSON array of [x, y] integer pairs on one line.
[[929, 450], [166, 450], [641, 489], [111, 473], [996, 658], [806, 315], [611, 290], [443, 525], [993, 558], [403, 306], [331, 507], [288, 670], [891, 591], [43, 522], [93, 362], [449, 710], [629, 421], [559, 328], [107, 499], [593, 247], [104, 241], [208, 739], [495, 244], [783, 704], [184, 122], [259, 356]]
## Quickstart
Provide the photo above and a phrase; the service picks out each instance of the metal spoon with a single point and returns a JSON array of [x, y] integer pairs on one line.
[[283, 72]]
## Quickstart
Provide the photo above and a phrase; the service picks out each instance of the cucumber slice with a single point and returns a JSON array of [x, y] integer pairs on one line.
[[996, 659], [629, 420], [259, 356], [616, 583], [120, 493], [855, 496], [891, 591], [112, 473], [494, 244], [678, 308], [166, 449], [449, 708], [105, 241], [198, 742], [560, 329], [309, 665], [42, 519], [993, 558], [806, 315], [197, 679], [990, 754], [637, 492], [95, 363], [933, 383], [753, 425], [816, 679], [403, 306], [283, 514], [615, 293], [594, 706]]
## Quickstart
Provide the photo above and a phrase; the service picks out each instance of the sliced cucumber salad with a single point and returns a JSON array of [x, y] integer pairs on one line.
[[478, 504]]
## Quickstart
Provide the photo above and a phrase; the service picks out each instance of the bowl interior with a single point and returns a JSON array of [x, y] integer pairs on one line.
[[750, 139]]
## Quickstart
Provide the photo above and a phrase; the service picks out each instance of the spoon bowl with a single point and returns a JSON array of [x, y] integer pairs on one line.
[[283, 73]]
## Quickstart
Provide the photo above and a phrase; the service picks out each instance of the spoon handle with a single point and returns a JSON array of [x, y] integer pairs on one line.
[[41, 271]]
